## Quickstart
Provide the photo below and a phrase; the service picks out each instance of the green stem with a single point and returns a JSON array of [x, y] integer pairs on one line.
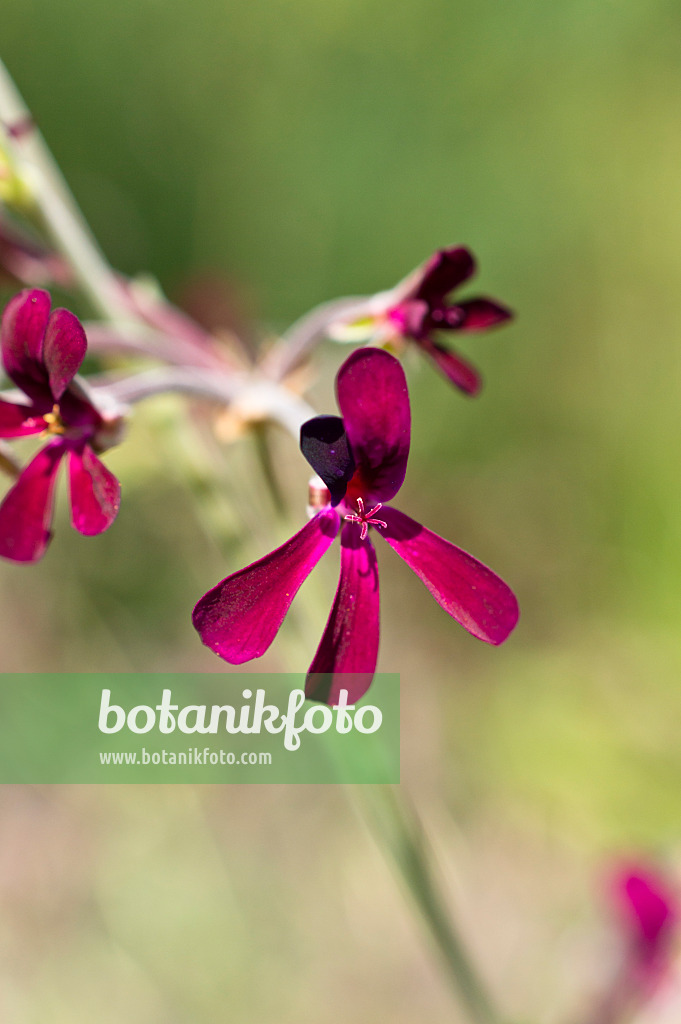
[[56, 206], [8, 461], [400, 836]]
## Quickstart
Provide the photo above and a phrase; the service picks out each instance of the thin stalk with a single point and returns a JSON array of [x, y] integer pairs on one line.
[[267, 468], [55, 204], [8, 462], [139, 339], [257, 399], [305, 334], [400, 836]]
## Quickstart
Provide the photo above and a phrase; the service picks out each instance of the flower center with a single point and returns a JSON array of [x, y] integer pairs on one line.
[[54, 424], [364, 519], [446, 316]]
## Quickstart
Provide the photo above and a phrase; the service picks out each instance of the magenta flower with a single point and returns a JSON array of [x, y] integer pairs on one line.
[[651, 918], [422, 311], [41, 353], [362, 459]]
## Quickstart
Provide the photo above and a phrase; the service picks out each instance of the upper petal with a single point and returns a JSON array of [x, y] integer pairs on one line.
[[348, 651], [239, 618], [64, 349], [26, 512], [24, 323], [373, 398], [95, 493], [324, 444], [445, 271], [481, 314], [19, 420], [466, 589]]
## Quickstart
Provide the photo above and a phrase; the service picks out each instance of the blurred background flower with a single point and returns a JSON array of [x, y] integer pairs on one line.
[[298, 152]]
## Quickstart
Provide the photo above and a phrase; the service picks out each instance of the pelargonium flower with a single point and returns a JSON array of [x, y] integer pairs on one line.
[[417, 310], [362, 459], [651, 917], [42, 353]]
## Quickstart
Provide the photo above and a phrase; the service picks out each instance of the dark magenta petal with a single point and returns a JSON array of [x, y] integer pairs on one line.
[[324, 444], [411, 317], [26, 512], [95, 493], [649, 906], [347, 654], [18, 421], [445, 271], [23, 329], [460, 372], [239, 618], [63, 350], [373, 398], [480, 314], [466, 589]]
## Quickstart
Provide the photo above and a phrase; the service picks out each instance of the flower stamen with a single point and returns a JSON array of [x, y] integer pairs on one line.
[[54, 424], [364, 519]]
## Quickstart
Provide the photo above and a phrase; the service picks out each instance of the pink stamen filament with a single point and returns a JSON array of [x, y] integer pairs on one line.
[[365, 519]]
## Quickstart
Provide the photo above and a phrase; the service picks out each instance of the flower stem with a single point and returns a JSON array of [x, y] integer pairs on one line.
[[55, 204], [305, 334], [140, 339], [255, 398], [400, 835], [8, 461]]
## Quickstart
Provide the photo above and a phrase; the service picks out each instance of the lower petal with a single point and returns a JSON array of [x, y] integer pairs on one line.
[[460, 372], [26, 512], [240, 617], [466, 589], [347, 654], [16, 421], [95, 493]]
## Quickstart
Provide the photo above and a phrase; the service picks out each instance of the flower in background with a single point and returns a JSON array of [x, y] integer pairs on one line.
[[41, 353], [361, 459], [650, 918], [643, 982], [417, 310]]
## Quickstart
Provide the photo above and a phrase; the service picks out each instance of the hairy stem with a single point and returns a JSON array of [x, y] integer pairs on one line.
[[57, 208], [255, 398], [140, 339], [301, 339]]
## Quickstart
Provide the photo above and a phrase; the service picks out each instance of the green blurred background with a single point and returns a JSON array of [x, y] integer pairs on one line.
[[297, 151]]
